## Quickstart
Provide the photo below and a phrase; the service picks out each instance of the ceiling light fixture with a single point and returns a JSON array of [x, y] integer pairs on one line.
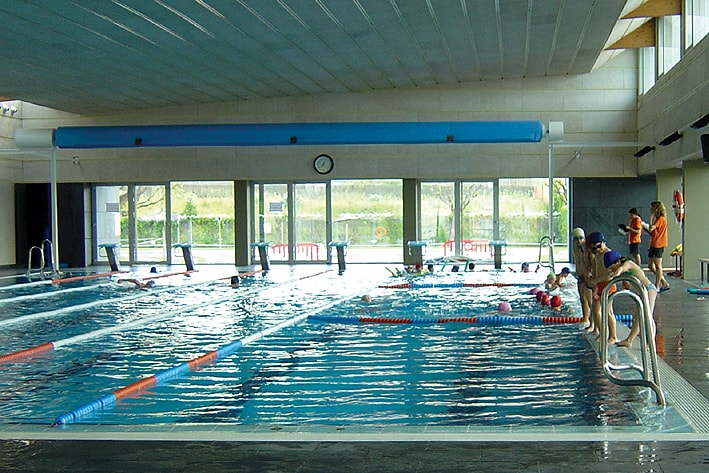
[[669, 139], [701, 123], [644, 151]]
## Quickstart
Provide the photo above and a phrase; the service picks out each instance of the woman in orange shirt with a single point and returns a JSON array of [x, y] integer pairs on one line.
[[635, 231], [658, 243]]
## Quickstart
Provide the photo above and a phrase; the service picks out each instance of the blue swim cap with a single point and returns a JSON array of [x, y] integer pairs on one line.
[[610, 258], [596, 237]]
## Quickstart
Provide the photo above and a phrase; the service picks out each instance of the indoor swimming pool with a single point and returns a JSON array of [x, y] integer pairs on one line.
[[300, 347]]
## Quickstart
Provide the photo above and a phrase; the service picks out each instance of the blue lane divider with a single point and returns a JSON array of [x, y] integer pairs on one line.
[[480, 320]]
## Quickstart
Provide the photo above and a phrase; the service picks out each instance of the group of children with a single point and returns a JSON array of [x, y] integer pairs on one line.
[[596, 267]]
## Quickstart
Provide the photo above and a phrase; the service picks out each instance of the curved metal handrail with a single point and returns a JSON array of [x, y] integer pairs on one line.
[[550, 243], [648, 370], [41, 262]]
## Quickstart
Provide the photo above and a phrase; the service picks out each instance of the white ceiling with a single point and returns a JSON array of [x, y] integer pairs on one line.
[[97, 56]]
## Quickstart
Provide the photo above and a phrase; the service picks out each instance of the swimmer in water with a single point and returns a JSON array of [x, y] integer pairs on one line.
[[138, 284]]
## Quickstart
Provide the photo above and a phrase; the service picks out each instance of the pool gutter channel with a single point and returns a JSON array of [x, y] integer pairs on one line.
[[680, 394]]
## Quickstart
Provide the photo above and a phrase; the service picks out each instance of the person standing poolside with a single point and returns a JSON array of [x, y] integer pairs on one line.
[[658, 231], [599, 280], [582, 260], [635, 231], [619, 265]]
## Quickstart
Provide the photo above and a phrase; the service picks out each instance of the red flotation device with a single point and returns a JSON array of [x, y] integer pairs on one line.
[[679, 206]]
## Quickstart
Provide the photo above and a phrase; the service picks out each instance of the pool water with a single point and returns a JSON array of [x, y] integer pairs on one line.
[[315, 372]]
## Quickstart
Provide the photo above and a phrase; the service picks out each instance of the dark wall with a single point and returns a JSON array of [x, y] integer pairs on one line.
[[33, 222], [601, 204]]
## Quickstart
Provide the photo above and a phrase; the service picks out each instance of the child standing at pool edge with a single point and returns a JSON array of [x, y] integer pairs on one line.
[[619, 265]]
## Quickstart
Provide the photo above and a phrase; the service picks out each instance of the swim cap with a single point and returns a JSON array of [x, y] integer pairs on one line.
[[565, 270], [504, 306], [578, 232], [556, 301], [596, 237], [610, 258], [546, 300], [540, 294]]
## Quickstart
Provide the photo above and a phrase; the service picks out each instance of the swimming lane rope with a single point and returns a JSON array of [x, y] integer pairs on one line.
[[421, 285], [479, 320], [49, 347], [109, 400], [88, 305]]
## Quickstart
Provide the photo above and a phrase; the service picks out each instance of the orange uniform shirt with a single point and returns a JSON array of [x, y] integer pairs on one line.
[[659, 234], [637, 224]]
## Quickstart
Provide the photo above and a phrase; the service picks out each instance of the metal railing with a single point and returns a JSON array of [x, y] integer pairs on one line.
[[548, 242], [648, 368], [35, 249]]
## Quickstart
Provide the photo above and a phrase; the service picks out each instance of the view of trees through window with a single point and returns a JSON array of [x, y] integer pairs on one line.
[[456, 217]]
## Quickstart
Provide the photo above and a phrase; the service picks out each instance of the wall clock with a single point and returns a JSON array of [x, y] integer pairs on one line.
[[323, 164]]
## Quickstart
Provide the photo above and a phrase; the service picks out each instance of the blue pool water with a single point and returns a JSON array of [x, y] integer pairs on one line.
[[312, 372]]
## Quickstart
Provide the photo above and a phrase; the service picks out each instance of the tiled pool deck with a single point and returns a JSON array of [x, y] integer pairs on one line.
[[683, 342]]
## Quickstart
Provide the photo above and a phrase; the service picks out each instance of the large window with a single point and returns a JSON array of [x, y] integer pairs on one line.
[[110, 209], [310, 222], [132, 217], [202, 214], [272, 204], [669, 38], [368, 214], [457, 219], [524, 218], [696, 14], [647, 72]]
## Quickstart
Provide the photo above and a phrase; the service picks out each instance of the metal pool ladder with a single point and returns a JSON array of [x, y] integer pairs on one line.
[[648, 369], [549, 242], [42, 260], [35, 249]]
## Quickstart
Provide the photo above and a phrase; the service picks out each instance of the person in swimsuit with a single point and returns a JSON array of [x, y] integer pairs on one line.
[[136, 283], [599, 279], [582, 260], [619, 265]]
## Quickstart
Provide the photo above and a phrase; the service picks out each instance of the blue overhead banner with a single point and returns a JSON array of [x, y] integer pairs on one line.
[[284, 134]]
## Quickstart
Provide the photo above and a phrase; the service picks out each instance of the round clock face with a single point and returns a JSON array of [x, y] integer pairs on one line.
[[323, 164]]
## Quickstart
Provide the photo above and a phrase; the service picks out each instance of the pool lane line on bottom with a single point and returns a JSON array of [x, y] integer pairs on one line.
[[55, 282], [88, 305], [109, 400], [49, 347], [42, 295], [480, 320], [84, 288]]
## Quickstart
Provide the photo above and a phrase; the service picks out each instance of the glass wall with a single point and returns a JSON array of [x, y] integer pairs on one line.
[[369, 215], [150, 218], [202, 214], [310, 222], [272, 204], [457, 218], [696, 15], [438, 219], [524, 218], [298, 220], [669, 39], [477, 219], [133, 217], [110, 209], [675, 34]]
